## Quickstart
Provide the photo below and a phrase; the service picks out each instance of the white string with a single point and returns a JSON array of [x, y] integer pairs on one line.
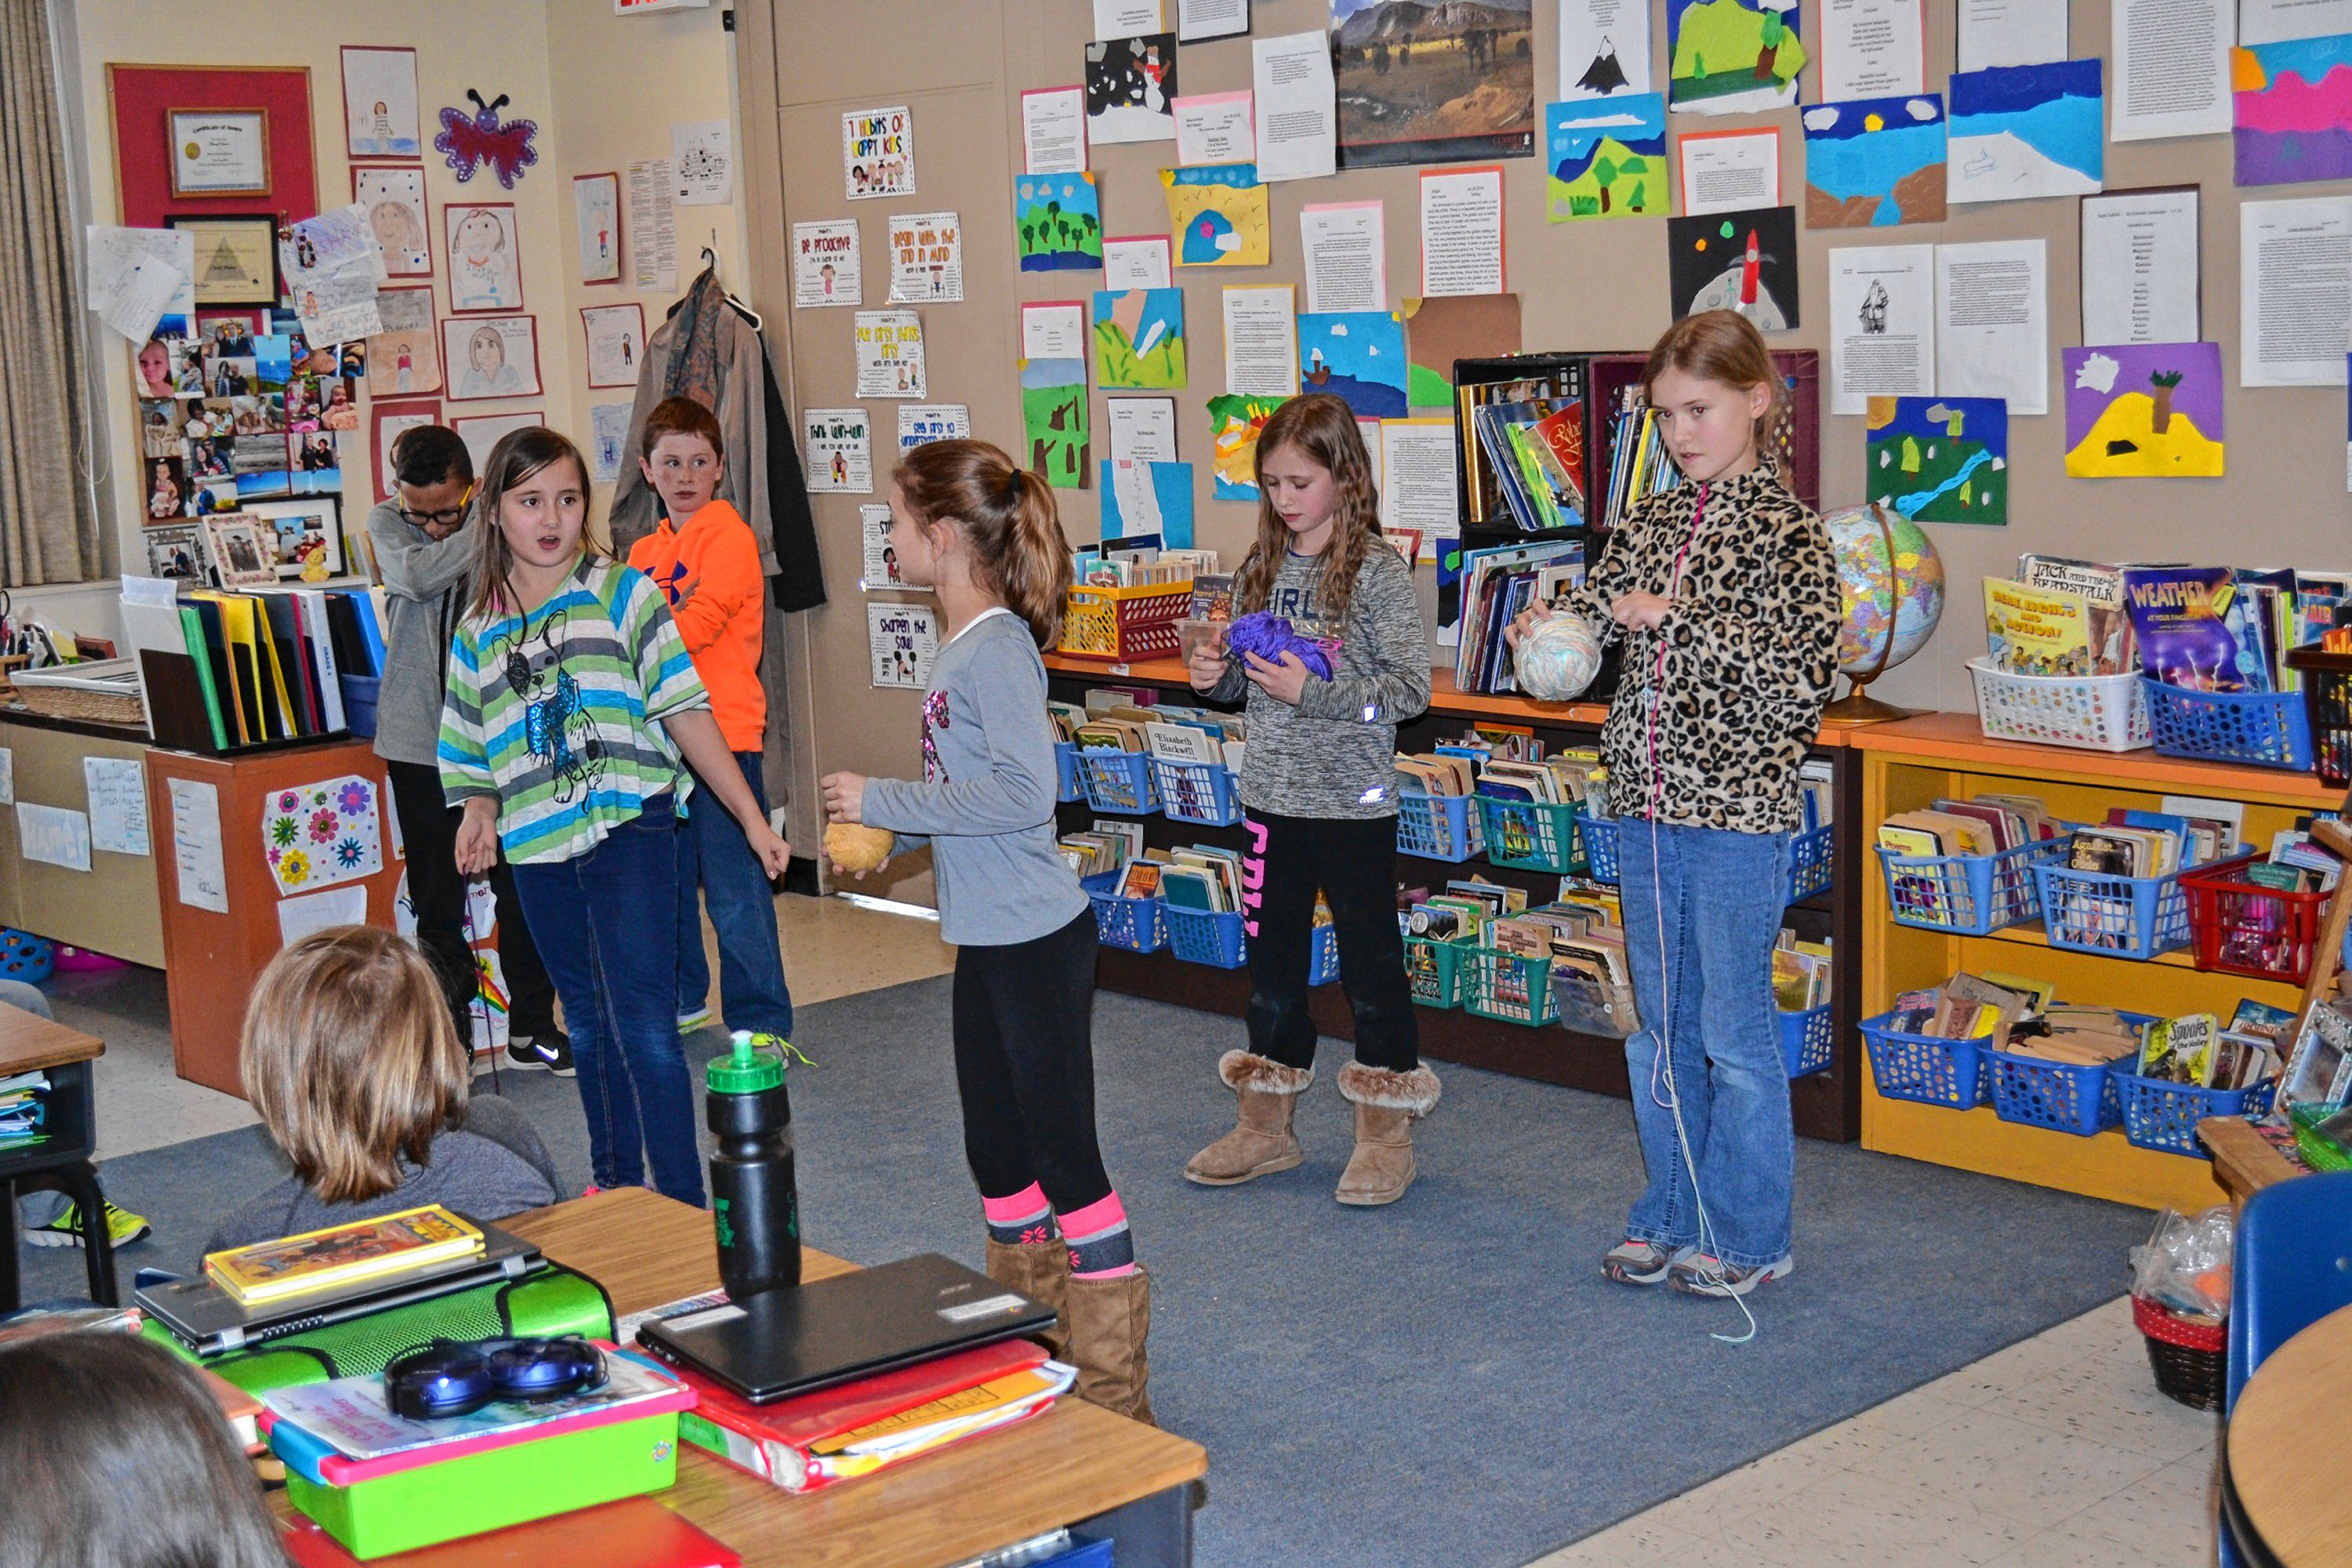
[[1664, 1024]]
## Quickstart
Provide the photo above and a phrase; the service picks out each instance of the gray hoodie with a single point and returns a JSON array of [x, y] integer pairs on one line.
[[426, 582]]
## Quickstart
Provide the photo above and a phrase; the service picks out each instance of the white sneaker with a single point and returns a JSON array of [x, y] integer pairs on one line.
[[1700, 1275]]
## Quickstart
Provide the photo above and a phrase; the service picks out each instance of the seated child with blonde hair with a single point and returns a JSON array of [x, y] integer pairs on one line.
[[350, 1057]]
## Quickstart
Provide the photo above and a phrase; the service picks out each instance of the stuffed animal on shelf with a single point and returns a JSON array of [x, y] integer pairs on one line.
[[857, 848], [1270, 637]]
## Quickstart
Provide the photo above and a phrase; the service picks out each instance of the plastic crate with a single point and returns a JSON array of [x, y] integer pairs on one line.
[[2318, 1151], [1123, 625], [2060, 1096], [1067, 785], [1433, 970], [2327, 711], [1531, 835], [1807, 1041], [1206, 793], [2239, 927], [1591, 1007], [2261, 729], [1323, 956], [1812, 861], [1118, 781], [1214, 937], [1438, 826], [1511, 986], [1970, 895], [2093, 712], [1136, 924], [2120, 917], [2159, 1114], [1599, 836], [1923, 1067]]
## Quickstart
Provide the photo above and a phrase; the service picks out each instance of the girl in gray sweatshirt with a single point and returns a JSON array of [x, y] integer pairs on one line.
[[984, 537]]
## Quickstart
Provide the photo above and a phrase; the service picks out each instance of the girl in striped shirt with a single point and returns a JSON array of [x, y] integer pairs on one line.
[[570, 699]]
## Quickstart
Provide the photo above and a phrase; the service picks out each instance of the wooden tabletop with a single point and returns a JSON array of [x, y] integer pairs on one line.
[[2282, 1456], [2244, 1161], [1072, 1463], [28, 1041]]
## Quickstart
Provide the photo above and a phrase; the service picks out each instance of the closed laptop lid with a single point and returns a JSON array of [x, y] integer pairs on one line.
[[830, 1332]]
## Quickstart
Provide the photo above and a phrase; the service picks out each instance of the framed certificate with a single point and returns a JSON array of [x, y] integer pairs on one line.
[[219, 152], [236, 257]]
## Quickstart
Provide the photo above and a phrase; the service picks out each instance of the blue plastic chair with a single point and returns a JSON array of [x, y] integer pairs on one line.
[[2292, 1266]]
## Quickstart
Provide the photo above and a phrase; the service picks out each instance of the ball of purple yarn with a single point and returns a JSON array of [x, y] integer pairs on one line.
[[1269, 636]]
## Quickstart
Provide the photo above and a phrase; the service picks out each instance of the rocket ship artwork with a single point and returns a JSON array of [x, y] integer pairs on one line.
[[1742, 261]]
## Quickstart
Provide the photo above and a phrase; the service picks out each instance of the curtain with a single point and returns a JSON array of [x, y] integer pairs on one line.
[[48, 527]]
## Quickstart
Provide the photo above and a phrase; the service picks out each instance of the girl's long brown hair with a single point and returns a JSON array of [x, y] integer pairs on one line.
[[1323, 428], [518, 455], [1724, 346], [1005, 513]]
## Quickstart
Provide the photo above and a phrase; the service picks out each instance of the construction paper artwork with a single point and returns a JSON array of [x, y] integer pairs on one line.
[[1733, 57], [1356, 356], [2292, 109], [1452, 327], [1874, 161], [316, 834], [2019, 131], [1939, 459], [1235, 420], [2145, 411], [1139, 339], [1058, 219], [1054, 417], [1148, 497], [1218, 214], [1606, 158], [1743, 261]]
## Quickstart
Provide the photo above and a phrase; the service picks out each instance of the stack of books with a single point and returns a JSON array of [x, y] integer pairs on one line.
[[375, 1252], [1105, 846], [1496, 584], [269, 663], [23, 1110], [1139, 568], [1971, 1007], [1534, 450], [1642, 467], [2204, 628], [1206, 878], [2195, 1049], [1436, 773], [1563, 778], [1801, 973]]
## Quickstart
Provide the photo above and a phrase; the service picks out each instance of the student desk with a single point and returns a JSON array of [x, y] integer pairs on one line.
[[2282, 1475], [29, 1043], [1077, 1464]]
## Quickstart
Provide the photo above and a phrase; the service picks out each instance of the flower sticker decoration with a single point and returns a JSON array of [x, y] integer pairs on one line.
[[321, 834], [469, 142]]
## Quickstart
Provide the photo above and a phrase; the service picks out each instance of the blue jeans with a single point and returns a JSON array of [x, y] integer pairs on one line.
[[714, 863], [616, 973], [1717, 896]]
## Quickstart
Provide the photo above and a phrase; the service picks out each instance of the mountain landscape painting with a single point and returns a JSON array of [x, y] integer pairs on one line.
[[2020, 132], [1433, 81], [1606, 158], [1733, 57], [1874, 161]]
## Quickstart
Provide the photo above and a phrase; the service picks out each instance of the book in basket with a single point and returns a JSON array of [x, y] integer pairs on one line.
[[341, 1255]]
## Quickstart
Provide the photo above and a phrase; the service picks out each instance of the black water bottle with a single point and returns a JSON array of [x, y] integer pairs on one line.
[[755, 1203]]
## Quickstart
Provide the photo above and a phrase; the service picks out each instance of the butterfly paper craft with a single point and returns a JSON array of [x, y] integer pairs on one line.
[[477, 138]]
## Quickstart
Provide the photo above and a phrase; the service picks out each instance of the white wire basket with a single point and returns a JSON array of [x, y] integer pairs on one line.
[[2095, 712]]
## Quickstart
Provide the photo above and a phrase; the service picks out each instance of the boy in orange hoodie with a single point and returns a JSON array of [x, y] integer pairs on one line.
[[706, 564]]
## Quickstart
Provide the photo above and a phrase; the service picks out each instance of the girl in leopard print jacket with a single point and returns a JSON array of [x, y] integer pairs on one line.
[[1726, 596]]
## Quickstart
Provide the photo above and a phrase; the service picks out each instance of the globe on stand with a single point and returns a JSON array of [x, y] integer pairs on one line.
[[1891, 593]]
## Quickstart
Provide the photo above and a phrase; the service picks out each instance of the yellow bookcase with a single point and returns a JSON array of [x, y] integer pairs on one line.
[[1911, 764]]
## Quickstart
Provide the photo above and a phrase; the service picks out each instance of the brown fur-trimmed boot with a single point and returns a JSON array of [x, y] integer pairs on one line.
[[1110, 1320], [1387, 1104], [1041, 1271], [1261, 1142]]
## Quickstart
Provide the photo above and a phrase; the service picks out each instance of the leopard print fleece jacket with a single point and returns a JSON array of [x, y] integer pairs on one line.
[[1751, 652]]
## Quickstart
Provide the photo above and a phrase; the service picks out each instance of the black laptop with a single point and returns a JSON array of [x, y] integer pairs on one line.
[[782, 1342]]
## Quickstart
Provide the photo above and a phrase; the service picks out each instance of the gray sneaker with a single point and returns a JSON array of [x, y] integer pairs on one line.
[[1632, 1262], [1697, 1274]]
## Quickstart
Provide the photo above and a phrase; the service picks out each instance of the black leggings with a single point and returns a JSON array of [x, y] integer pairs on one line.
[[1354, 863], [1025, 1065]]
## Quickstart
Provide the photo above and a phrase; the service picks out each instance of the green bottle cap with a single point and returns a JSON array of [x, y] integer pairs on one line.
[[749, 1069]]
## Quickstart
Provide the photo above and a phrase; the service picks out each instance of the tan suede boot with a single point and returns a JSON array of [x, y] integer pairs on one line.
[[1110, 1320], [1261, 1142], [1387, 1104], [1041, 1271]]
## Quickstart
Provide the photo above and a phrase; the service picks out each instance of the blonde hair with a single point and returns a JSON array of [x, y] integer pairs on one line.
[[1005, 513], [352, 1060], [1724, 346], [1323, 429]]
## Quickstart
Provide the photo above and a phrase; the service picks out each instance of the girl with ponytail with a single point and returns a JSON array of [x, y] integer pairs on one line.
[[983, 536]]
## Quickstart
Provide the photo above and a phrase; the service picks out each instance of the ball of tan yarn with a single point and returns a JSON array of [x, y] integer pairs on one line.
[[857, 848]]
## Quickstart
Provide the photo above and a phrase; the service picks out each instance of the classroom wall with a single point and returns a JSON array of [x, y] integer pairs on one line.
[[1583, 286], [603, 88]]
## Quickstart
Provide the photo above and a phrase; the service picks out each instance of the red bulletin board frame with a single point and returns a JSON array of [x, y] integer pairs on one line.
[[138, 96]]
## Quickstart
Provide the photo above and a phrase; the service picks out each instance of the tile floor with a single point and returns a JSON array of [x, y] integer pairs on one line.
[[2056, 1451]]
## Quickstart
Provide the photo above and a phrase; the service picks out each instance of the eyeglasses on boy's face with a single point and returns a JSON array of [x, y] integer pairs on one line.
[[448, 518]]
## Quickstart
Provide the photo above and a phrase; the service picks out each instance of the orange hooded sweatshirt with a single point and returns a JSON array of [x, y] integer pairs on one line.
[[709, 574]]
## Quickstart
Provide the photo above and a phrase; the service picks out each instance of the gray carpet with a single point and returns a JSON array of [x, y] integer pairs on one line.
[[1446, 1382]]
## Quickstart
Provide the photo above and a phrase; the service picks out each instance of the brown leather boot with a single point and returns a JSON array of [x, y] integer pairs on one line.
[[1040, 1271], [1110, 1320], [1387, 1104], [1261, 1142]]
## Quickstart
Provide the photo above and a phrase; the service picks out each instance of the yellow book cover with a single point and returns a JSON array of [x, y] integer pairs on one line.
[[961, 1408], [340, 1254], [2034, 631]]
